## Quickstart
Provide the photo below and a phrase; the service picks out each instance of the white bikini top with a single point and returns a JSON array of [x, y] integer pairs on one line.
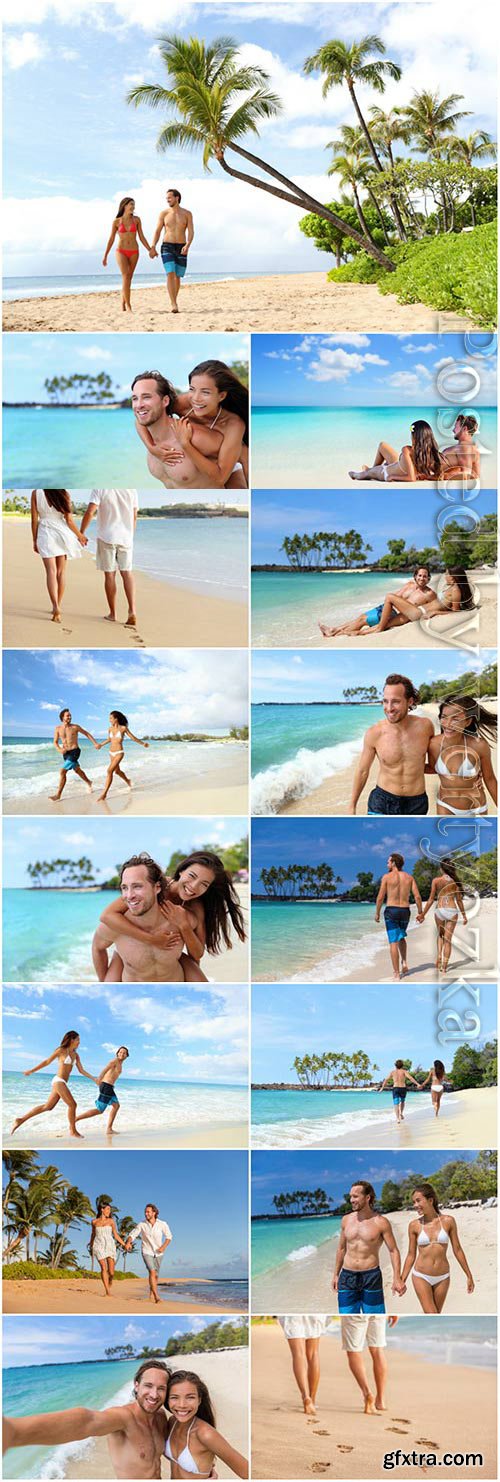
[[467, 768], [185, 1459], [68, 1060], [441, 1239]]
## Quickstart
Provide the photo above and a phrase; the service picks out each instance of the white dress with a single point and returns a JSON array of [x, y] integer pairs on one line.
[[54, 537], [104, 1244], [304, 1327]]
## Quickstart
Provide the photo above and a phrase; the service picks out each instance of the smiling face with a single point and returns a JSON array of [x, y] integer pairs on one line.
[[138, 890], [453, 720], [422, 577], [204, 396], [151, 1390], [150, 1213], [66, 717], [147, 404], [359, 1198], [396, 703], [194, 881], [422, 1205], [183, 1401]]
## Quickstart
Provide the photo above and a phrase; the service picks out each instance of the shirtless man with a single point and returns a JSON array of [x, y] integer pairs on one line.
[[66, 743], [142, 886], [177, 225], [136, 1432], [396, 888], [465, 459], [399, 1077], [107, 1099], [153, 404], [400, 742], [417, 591], [357, 1277]]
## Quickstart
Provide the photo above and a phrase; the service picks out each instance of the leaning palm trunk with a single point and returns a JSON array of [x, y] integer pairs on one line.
[[361, 216], [380, 213], [377, 161]]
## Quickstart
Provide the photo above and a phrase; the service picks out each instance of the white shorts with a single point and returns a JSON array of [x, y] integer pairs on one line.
[[359, 1330], [113, 557]]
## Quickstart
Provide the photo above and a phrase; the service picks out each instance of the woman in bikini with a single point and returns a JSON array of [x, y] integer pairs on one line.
[[217, 402], [417, 460], [200, 902], [55, 538], [102, 1244], [429, 1237], [118, 729], [461, 757], [67, 1056], [447, 897], [128, 228], [395, 611], [303, 1334], [436, 1077], [193, 1443]]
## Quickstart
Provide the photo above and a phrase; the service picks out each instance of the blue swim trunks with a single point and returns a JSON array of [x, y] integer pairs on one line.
[[374, 615], [399, 1094], [107, 1097], [71, 759], [396, 922], [173, 258], [361, 1291]]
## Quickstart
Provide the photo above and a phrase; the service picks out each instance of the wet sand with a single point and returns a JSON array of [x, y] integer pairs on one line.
[[467, 1119], [422, 951], [208, 1135], [224, 790], [88, 1295]]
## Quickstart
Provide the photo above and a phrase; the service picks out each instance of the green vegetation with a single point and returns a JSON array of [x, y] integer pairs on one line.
[[216, 1335], [447, 272], [330, 238], [296, 881], [303, 1202], [455, 1180], [325, 549], [39, 1204], [362, 693], [481, 685], [70, 873], [81, 388], [477, 872], [459, 545], [344, 1070], [77, 874], [38, 1271]]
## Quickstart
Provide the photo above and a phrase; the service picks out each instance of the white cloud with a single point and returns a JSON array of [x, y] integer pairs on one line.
[[79, 839], [420, 349], [132, 1331], [21, 50], [407, 381], [338, 365], [361, 341], [95, 352]]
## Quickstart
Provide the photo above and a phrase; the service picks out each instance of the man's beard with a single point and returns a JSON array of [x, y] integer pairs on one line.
[[140, 910]]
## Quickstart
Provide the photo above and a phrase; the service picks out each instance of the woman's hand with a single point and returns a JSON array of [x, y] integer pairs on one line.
[[82, 539], [470, 1285], [185, 431], [167, 452], [35, 547], [175, 915], [166, 940], [105, 260], [28, 1072]]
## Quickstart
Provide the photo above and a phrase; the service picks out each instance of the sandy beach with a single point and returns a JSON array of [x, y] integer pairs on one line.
[[468, 1119], [462, 630], [226, 1376], [305, 1286], [86, 1295], [429, 1411], [224, 790], [209, 1135], [422, 950], [332, 795], [166, 615], [279, 302]]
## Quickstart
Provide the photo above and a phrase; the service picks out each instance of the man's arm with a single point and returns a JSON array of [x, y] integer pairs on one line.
[[363, 768], [381, 897], [390, 1241], [102, 939], [416, 895], [61, 1426], [159, 228], [339, 1260], [190, 232], [57, 740], [90, 511]]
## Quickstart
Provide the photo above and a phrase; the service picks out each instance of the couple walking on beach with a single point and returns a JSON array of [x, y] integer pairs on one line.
[[357, 1277], [304, 1333], [396, 888], [57, 539], [170, 1415], [67, 1056], [174, 225], [155, 1236], [66, 736]]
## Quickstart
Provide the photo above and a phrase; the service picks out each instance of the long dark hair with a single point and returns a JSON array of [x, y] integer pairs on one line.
[[58, 499], [220, 901], [67, 1038], [459, 575], [448, 868], [236, 398], [205, 1409], [439, 1069], [426, 455], [120, 717], [125, 201], [480, 722], [429, 1193]]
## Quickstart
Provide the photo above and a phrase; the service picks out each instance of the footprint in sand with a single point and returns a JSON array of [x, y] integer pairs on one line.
[[321, 1433], [345, 1448], [320, 1466], [397, 1429], [423, 1441], [401, 1419]]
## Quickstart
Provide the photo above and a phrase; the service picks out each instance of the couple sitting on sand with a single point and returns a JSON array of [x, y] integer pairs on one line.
[[413, 601], [446, 895], [176, 226], [406, 749], [304, 1333], [357, 1277], [155, 1235], [56, 538], [198, 438], [171, 1415], [66, 743], [422, 460], [181, 918]]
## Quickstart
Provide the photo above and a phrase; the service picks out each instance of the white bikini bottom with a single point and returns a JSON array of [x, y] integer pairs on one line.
[[432, 1280], [463, 812], [446, 913], [59, 1080], [438, 1088]]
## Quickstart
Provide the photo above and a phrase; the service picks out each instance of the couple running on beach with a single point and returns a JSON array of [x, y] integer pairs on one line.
[[397, 888], [304, 1333], [171, 1415], [422, 460], [155, 1236], [357, 1277], [66, 743], [67, 1056], [400, 1077], [407, 750], [415, 600], [174, 225]]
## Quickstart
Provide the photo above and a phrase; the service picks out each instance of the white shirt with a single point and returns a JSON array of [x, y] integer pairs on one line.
[[115, 514], [152, 1236]]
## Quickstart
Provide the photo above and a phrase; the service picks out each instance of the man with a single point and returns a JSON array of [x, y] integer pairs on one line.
[[399, 1077], [177, 226], [400, 743], [116, 511], [143, 887], [155, 1237], [356, 1332], [396, 888], [465, 459], [107, 1099], [417, 590], [357, 1277], [66, 743], [136, 1432]]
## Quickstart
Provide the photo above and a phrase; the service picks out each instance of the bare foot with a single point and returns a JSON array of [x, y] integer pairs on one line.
[[74, 1133], [353, 474], [55, 797], [175, 311], [309, 1407], [56, 617], [110, 617], [327, 632], [15, 1126], [102, 797], [90, 786], [370, 1404], [131, 620], [379, 1404]]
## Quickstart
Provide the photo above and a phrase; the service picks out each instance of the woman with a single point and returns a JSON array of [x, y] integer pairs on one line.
[[55, 537], [395, 611], [436, 1077], [447, 896], [419, 460], [118, 729], [199, 901], [465, 770], [67, 1056], [216, 401], [129, 229], [193, 1443], [429, 1239], [303, 1337], [102, 1244]]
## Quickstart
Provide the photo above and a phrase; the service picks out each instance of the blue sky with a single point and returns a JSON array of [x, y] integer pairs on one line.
[[181, 1184], [52, 838], [377, 1020], [29, 1340], [301, 676], [88, 147], [197, 1033], [352, 844], [378, 517], [27, 364], [371, 370], [277, 1173], [161, 690]]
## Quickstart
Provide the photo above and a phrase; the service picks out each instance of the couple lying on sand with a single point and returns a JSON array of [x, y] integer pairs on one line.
[[171, 1414], [421, 459], [397, 888], [357, 1277], [66, 743], [415, 600], [406, 749]]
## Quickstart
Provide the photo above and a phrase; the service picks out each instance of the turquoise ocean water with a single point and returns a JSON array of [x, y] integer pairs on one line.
[[295, 747], [304, 447], [43, 1387], [103, 282], [170, 1106], [287, 608], [48, 934], [31, 766], [276, 1241], [310, 941], [287, 1119]]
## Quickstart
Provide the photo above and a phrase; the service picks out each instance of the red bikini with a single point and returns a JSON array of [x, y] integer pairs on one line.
[[128, 251]]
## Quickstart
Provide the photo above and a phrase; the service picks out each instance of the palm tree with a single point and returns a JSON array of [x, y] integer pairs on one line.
[[431, 120], [206, 84], [478, 145], [72, 1209], [352, 64], [350, 171], [21, 1166]]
